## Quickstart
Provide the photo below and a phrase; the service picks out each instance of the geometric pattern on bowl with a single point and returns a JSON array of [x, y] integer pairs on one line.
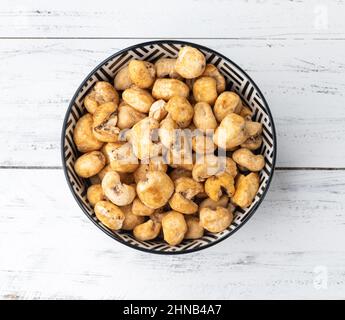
[[237, 80]]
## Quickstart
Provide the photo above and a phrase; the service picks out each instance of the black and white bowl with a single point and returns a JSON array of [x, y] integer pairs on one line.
[[237, 80]]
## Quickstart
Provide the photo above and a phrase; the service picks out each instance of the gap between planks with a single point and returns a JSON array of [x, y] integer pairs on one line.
[[273, 38], [276, 168]]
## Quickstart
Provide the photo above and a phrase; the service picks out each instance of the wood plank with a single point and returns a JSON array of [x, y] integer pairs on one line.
[[303, 82], [234, 19], [49, 249]]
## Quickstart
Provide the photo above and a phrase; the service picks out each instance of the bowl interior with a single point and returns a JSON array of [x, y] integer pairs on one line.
[[237, 80]]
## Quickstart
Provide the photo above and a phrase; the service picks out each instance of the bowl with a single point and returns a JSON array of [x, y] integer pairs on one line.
[[237, 80]]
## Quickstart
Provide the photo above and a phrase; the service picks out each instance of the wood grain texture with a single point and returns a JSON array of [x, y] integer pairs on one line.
[[302, 81], [193, 18], [49, 249], [294, 51]]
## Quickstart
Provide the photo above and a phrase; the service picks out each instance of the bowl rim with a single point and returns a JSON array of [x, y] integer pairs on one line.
[[168, 41]]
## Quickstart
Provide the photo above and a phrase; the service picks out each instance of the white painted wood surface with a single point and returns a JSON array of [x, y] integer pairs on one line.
[[294, 50], [177, 19], [49, 249], [303, 83]]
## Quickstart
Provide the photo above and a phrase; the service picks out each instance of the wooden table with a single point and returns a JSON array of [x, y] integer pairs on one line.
[[293, 247]]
